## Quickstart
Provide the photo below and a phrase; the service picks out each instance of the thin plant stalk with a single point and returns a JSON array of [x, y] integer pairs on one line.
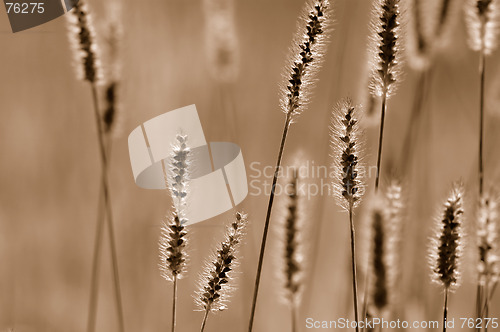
[[490, 296], [305, 60], [268, 218], [346, 142], [205, 317], [486, 312], [294, 316], [381, 138], [107, 204], [174, 303], [445, 309], [420, 93], [365, 295], [96, 259], [479, 302], [482, 71], [353, 265]]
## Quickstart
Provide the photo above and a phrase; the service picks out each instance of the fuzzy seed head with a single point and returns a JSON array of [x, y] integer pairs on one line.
[[429, 27], [291, 253], [380, 289], [113, 34], [387, 47], [418, 43], [110, 111], [488, 268], [83, 41], [214, 289], [306, 55], [385, 210], [172, 247], [483, 21], [221, 40], [446, 247], [346, 146], [178, 176]]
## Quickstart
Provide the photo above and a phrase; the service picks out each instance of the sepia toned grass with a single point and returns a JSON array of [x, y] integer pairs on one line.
[[292, 261], [483, 19], [428, 31], [446, 246], [100, 68], [486, 239], [172, 244], [215, 286], [112, 69], [88, 68], [383, 230], [349, 187], [306, 56], [221, 40], [386, 53]]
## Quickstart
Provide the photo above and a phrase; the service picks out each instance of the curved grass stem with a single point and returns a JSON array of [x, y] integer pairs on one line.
[[268, 218], [205, 317], [353, 265], [380, 139], [445, 309], [108, 209], [96, 258], [174, 303]]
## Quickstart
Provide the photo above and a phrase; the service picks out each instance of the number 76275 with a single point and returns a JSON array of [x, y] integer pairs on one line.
[[25, 7], [473, 323]]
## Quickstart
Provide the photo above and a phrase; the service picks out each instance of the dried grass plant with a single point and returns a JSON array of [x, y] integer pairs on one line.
[[291, 267], [172, 245], [386, 53], [382, 230], [112, 69], [486, 239], [349, 187], [215, 285], [306, 55], [87, 64], [483, 19], [445, 250]]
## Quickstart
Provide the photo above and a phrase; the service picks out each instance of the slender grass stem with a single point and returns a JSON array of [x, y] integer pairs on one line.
[[366, 293], [107, 204], [205, 317], [94, 282], [409, 140], [486, 312], [268, 218], [479, 302], [294, 316], [353, 263], [381, 138], [174, 303], [482, 71], [490, 296], [445, 309]]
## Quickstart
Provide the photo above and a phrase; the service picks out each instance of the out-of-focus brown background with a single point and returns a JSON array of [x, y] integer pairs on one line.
[[49, 170]]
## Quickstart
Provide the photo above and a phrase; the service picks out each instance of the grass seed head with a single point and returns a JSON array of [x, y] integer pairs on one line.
[[215, 285], [346, 146], [83, 41], [446, 247], [306, 55]]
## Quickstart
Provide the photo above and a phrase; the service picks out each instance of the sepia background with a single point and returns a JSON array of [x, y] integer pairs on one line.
[[49, 170]]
